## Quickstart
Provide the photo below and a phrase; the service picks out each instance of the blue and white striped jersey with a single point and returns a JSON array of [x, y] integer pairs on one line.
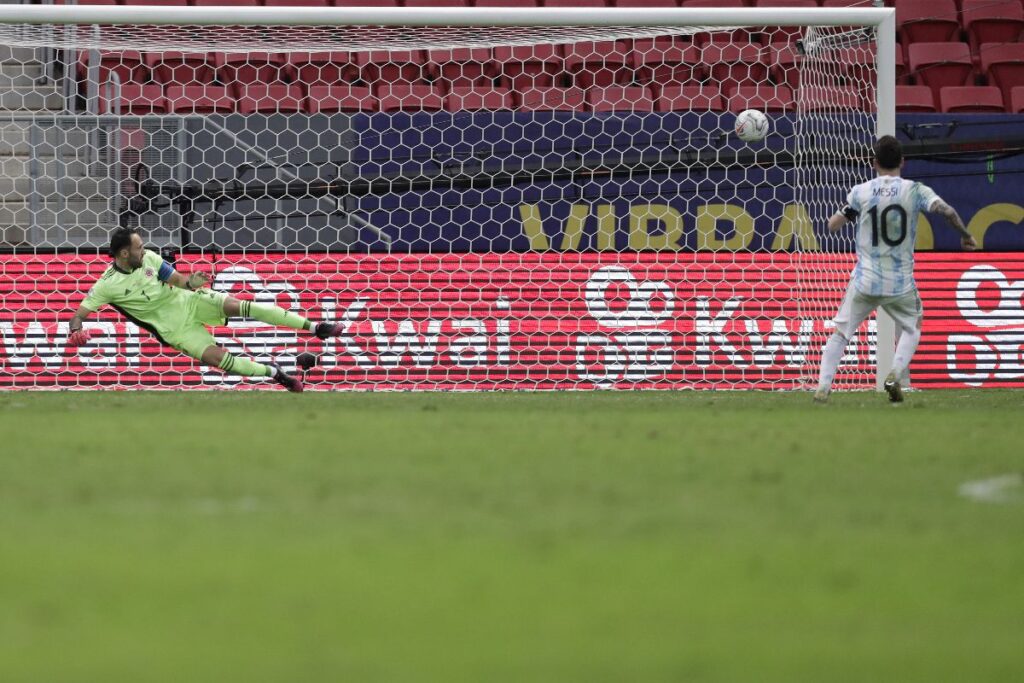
[[888, 208]]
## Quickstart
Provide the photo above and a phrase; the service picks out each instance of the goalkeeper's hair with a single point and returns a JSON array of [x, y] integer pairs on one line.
[[888, 152], [121, 238]]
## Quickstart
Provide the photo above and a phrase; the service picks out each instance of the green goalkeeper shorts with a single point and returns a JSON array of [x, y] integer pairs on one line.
[[202, 307]]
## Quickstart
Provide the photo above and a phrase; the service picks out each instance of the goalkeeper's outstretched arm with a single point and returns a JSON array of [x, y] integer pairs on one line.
[[192, 281], [76, 335]]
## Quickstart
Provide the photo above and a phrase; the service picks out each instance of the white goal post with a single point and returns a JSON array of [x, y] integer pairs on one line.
[[626, 345]]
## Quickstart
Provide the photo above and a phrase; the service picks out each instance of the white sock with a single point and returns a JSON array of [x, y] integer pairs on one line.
[[905, 349], [830, 357]]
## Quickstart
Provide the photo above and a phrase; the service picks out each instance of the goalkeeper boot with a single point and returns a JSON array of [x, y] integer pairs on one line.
[[287, 381], [328, 330], [893, 388]]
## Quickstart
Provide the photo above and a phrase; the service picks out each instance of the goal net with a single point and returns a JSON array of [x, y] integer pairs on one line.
[[486, 199]]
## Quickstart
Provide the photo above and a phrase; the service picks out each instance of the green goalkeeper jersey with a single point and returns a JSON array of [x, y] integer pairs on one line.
[[143, 297]]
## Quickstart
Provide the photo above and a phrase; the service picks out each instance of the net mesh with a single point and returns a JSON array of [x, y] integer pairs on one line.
[[488, 208], [835, 129], [272, 38]]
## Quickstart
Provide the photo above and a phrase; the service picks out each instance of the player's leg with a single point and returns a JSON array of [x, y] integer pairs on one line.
[[219, 357], [854, 310], [275, 315], [908, 314]]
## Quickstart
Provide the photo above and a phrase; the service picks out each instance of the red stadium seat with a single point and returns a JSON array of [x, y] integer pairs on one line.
[[915, 98], [844, 3], [819, 98], [939, 65], [992, 21], [128, 65], [135, 98], [461, 67], [902, 72], [774, 98], [1017, 99], [601, 63], [733, 65], [1003, 65], [409, 97], [474, 98], [263, 98], [927, 21], [199, 99], [392, 67], [690, 98], [555, 99], [322, 68], [181, 67], [250, 67], [164, 3], [529, 66], [652, 63], [855, 64], [972, 99], [620, 98], [785, 61], [366, 3], [339, 98]]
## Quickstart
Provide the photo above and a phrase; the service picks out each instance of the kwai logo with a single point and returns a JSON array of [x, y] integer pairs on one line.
[[636, 351], [996, 352]]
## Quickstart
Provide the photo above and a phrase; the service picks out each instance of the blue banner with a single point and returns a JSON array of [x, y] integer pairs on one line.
[[559, 182]]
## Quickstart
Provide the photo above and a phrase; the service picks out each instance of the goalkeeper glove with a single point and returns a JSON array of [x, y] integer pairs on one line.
[[78, 338]]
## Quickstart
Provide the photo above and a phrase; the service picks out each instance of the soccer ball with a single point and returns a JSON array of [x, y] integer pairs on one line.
[[751, 125]]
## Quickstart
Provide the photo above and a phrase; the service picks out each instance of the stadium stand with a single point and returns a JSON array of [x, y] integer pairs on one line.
[[939, 65], [690, 98], [339, 98], [1003, 64], [620, 98], [768, 98], [972, 99], [915, 98], [409, 97], [943, 44], [555, 99], [475, 98]]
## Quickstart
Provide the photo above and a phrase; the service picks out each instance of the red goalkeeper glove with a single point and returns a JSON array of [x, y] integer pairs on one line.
[[78, 338]]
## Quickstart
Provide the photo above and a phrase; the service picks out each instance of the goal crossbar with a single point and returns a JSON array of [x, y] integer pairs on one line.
[[442, 16]]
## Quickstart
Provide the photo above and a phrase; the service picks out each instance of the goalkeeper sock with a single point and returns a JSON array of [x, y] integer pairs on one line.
[[273, 315], [235, 365], [905, 348], [830, 357]]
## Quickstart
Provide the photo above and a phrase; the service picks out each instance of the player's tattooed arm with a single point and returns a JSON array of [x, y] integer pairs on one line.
[[967, 240]]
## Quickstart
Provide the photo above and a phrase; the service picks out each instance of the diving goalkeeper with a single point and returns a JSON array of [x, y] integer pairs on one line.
[[176, 309]]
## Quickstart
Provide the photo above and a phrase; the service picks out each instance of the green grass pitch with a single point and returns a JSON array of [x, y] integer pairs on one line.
[[732, 537]]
